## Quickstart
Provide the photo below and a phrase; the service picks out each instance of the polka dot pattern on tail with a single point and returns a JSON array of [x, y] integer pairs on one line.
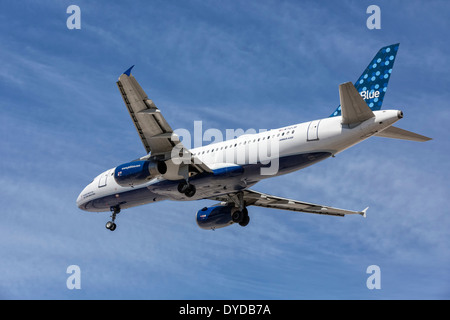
[[372, 84]]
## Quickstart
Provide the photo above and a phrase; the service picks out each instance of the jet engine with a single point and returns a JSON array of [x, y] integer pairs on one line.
[[220, 216], [138, 172], [215, 217]]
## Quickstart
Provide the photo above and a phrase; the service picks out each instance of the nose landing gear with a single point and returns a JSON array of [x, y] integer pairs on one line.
[[110, 224]]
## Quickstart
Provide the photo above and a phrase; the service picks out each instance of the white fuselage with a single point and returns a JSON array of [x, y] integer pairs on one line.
[[261, 155]]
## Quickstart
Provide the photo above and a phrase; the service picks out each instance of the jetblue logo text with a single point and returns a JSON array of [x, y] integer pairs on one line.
[[369, 94]]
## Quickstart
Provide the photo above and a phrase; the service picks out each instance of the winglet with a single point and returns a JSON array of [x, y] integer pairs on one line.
[[128, 72], [363, 213]]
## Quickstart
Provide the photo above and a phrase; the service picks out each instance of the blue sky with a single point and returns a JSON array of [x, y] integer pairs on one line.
[[232, 64]]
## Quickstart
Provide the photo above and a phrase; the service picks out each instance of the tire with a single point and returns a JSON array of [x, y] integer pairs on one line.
[[237, 216], [183, 187], [190, 191], [245, 221]]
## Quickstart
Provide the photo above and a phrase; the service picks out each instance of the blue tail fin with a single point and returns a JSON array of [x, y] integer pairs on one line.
[[372, 84]]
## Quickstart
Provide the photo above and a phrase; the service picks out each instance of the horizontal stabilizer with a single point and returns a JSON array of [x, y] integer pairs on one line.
[[353, 107], [397, 133]]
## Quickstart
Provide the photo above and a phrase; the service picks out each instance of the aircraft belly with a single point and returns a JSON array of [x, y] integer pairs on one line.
[[208, 185], [128, 199]]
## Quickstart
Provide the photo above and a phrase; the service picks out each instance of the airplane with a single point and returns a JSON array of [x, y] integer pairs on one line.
[[224, 171]]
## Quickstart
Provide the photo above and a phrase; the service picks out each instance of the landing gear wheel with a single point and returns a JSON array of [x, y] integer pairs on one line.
[[237, 216], [186, 188], [245, 219], [111, 225], [190, 191], [183, 186]]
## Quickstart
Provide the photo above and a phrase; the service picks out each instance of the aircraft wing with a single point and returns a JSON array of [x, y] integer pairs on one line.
[[255, 198], [156, 134]]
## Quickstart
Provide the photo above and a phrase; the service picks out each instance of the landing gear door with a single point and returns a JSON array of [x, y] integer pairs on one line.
[[313, 131]]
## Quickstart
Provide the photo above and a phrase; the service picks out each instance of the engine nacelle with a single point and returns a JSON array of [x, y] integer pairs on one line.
[[138, 172], [215, 217]]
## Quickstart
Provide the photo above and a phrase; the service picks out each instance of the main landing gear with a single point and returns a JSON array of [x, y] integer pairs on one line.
[[241, 217], [110, 224], [186, 188]]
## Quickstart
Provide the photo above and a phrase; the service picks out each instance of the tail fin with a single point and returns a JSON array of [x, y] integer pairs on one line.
[[373, 82]]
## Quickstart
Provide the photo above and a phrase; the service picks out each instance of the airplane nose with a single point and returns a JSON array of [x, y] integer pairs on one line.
[[79, 202], [81, 197]]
